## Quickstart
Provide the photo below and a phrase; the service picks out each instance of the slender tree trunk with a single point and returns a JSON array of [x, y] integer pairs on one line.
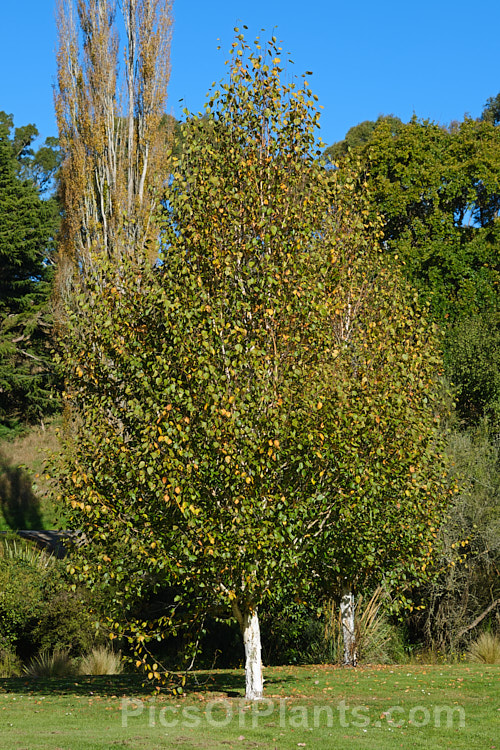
[[130, 24], [348, 632], [250, 630]]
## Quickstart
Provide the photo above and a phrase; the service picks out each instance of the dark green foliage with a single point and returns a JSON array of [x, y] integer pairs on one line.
[[29, 224], [438, 191], [297, 636], [473, 364], [491, 111], [358, 136], [38, 609], [438, 194], [23, 585], [67, 622]]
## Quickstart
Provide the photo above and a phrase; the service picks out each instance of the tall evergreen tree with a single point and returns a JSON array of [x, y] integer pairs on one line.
[[28, 226]]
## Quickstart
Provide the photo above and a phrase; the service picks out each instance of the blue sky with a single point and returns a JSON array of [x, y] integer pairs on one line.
[[437, 58]]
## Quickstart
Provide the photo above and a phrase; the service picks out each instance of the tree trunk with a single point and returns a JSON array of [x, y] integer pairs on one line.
[[250, 630], [348, 632]]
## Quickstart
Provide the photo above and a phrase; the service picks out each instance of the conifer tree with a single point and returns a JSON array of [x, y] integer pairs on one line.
[[28, 228]]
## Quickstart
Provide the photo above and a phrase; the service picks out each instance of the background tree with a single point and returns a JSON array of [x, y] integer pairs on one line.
[[29, 224], [465, 595], [438, 191], [434, 189], [473, 364], [491, 111], [357, 136], [115, 161], [438, 194]]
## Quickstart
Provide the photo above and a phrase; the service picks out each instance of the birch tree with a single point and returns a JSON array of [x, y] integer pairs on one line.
[[383, 474], [110, 100], [229, 401]]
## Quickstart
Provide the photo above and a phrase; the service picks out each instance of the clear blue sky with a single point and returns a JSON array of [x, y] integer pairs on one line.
[[437, 58]]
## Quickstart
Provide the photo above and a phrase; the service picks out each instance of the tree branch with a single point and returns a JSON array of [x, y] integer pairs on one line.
[[478, 619]]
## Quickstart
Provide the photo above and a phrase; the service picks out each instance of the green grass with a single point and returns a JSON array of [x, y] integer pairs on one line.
[[102, 713], [24, 488]]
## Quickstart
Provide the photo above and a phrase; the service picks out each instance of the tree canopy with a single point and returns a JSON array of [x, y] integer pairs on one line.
[[266, 398], [438, 191], [358, 136], [29, 225]]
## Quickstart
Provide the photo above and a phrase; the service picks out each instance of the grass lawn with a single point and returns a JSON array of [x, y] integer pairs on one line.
[[372, 707], [24, 490]]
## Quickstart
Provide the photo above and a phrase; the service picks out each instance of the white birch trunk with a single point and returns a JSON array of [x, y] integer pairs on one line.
[[254, 682], [250, 630], [348, 632]]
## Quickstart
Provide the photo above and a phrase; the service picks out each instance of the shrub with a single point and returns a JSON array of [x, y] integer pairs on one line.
[[38, 610], [25, 578], [486, 649], [54, 664], [10, 664], [299, 636], [101, 660], [467, 578], [67, 622], [295, 637]]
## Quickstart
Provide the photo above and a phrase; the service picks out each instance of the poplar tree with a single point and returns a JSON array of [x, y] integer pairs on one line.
[[110, 130]]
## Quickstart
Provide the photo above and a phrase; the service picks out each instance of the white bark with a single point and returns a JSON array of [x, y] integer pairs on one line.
[[250, 630], [348, 632]]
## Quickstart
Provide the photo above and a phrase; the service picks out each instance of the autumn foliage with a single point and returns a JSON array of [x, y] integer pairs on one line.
[[261, 411]]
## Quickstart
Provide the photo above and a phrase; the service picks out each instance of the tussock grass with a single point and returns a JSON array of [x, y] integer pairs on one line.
[[50, 664], [101, 660], [377, 641], [486, 650], [27, 552]]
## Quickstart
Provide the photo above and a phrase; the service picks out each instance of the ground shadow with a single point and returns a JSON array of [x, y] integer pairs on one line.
[[230, 683], [106, 686], [18, 503]]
